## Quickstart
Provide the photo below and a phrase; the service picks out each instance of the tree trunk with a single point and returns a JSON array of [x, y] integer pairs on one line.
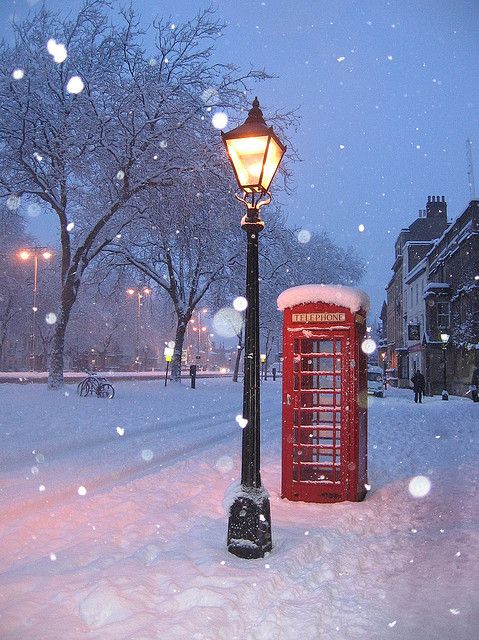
[[239, 351], [55, 372], [178, 351]]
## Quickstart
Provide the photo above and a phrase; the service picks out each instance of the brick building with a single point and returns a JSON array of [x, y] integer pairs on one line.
[[412, 245]]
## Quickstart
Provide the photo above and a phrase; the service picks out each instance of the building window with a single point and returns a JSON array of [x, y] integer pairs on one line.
[[443, 313]]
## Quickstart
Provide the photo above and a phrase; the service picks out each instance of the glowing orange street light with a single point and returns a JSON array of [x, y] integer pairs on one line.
[[25, 254], [139, 292]]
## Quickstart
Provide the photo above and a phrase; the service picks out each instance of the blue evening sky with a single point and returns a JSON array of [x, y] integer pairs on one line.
[[387, 91]]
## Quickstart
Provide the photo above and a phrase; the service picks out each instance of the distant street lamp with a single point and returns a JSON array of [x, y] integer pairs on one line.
[[26, 254], [139, 292], [168, 352], [445, 340], [263, 364], [199, 329], [255, 153]]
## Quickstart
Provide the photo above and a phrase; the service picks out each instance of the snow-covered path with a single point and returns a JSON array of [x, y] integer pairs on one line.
[[142, 554]]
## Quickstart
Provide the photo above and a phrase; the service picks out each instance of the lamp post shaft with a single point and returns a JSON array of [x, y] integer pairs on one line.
[[250, 468], [34, 313], [249, 524], [444, 350], [199, 332], [138, 324]]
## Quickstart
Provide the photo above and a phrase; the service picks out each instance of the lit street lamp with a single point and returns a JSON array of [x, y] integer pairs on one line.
[[263, 364], [445, 340], [198, 329], [140, 292], [255, 153], [26, 254]]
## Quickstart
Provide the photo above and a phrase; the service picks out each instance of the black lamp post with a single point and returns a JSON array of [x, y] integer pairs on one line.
[[255, 153], [445, 340]]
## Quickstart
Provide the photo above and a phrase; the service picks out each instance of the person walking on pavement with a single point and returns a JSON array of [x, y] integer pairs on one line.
[[474, 385], [419, 383]]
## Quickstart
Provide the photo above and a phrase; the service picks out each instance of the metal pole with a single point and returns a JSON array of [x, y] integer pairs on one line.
[[250, 470], [138, 320], [445, 395], [199, 331], [249, 525], [34, 311]]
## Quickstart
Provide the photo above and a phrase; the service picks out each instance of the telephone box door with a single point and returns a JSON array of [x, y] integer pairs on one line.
[[317, 408]]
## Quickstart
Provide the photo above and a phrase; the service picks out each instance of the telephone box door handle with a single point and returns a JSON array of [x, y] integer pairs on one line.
[[288, 399]]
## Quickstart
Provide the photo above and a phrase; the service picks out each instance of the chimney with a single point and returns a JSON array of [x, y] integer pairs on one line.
[[436, 207]]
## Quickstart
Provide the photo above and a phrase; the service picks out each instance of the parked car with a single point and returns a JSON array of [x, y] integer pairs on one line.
[[376, 381]]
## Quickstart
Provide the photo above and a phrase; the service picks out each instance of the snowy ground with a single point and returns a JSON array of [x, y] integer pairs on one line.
[[112, 522]]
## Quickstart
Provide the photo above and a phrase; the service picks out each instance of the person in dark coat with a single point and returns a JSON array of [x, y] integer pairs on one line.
[[419, 383], [475, 385]]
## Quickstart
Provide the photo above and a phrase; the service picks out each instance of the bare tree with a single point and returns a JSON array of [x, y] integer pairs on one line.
[[15, 281], [185, 244], [89, 135]]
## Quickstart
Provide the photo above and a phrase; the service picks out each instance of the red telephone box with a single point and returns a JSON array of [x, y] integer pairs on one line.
[[324, 393]]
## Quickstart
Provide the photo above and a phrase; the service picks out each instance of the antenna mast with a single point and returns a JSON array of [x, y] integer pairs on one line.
[[470, 170]]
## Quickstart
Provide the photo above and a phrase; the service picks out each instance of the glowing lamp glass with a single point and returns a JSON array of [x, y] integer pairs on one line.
[[255, 161], [47, 255], [130, 292], [254, 151], [444, 337], [24, 255]]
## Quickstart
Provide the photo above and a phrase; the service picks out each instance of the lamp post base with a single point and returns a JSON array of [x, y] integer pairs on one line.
[[249, 524], [445, 395]]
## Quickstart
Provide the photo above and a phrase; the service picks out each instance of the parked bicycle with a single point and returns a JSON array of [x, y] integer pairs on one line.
[[95, 384]]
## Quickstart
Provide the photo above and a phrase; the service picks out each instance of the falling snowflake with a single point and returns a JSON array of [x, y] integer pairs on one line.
[[361, 227], [13, 203], [147, 455], [57, 50], [368, 346], [228, 322], [341, 58], [224, 464], [81, 491], [419, 486], [70, 226], [241, 421], [50, 318], [33, 210], [304, 236], [120, 431], [219, 120], [17, 74], [75, 85], [240, 303]]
